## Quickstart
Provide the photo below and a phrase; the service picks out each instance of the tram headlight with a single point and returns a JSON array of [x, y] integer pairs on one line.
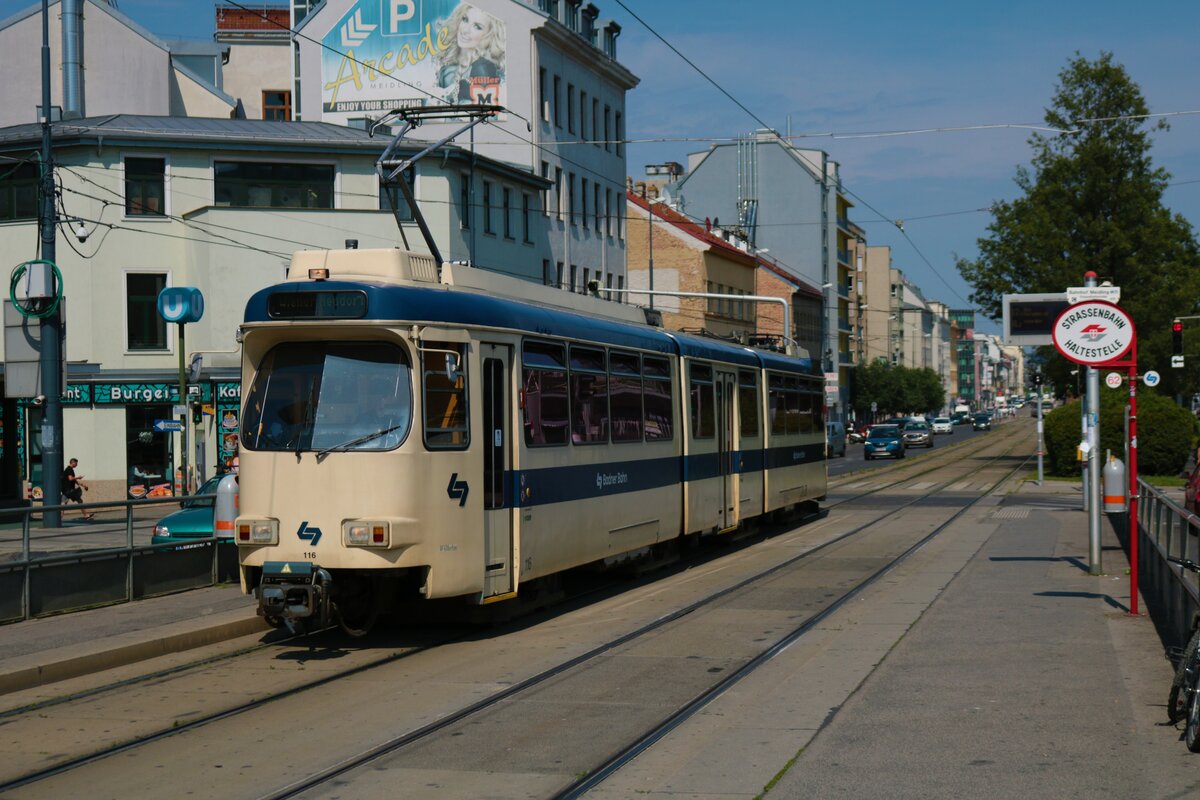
[[366, 533], [258, 531]]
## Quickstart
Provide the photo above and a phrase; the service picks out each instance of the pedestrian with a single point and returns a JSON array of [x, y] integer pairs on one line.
[[73, 486]]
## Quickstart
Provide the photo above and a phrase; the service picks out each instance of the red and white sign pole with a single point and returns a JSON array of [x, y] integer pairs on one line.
[[1099, 334]]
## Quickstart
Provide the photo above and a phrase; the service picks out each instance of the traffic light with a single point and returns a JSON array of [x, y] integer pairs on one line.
[[1037, 378], [1177, 338], [197, 415]]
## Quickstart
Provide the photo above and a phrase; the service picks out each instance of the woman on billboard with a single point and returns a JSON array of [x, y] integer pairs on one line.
[[472, 66]]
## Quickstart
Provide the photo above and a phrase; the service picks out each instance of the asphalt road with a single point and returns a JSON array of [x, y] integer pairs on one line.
[[853, 461]]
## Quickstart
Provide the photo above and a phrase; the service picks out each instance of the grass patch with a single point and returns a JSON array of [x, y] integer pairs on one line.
[[1157, 481]]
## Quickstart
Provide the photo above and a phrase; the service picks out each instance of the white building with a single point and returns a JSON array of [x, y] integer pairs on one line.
[[552, 64]]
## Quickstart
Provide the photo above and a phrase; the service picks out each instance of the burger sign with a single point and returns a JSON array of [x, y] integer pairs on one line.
[[1093, 332]]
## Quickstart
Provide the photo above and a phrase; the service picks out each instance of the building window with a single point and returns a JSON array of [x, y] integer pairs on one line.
[[570, 108], [608, 212], [145, 187], [582, 114], [487, 207], [277, 105], [464, 201], [571, 196], [596, 208], [144, 328], [257, 184], [526, 218], [547, 278], [508, 229], [583, 197], [558, 192], [574, 276], [558, 274], [19, 192], [607, 129], [546, 192], [542, 97], [712, 301], [391, 198], [595, 122], [554, 101], [620, 134]]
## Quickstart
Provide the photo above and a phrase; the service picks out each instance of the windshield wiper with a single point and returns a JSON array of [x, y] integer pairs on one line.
[[360, 440]]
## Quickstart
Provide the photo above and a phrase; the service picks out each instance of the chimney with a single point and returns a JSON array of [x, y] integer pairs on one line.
[[72, 58]]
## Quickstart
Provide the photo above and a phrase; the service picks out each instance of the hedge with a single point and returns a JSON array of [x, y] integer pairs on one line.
[[1165, 433]]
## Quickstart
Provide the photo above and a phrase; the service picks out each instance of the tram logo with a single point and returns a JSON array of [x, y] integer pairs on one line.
[[457, 490], [307, 534], [1093, 332]]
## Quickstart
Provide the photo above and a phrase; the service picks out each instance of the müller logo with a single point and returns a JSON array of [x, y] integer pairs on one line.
[[1093, 332]]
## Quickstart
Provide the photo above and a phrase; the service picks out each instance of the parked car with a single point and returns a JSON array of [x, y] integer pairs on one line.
[[884, 440], [942, 425], [193, 520], [918, 434], [835, 438], [983, 422]]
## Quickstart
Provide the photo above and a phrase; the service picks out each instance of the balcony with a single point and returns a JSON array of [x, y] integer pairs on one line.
[[843, 255], [844, 325]]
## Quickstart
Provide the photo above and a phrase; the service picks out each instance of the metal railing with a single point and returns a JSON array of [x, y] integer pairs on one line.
[[71, 568], [1167, 529]]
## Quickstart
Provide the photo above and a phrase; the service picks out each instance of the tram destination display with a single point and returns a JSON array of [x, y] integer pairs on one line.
[[317, 305]]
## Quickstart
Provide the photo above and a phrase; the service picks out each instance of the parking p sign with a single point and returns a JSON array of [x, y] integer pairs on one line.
[[182, 304]]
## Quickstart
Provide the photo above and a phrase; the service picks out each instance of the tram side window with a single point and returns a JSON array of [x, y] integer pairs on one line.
[[589, 396], [778, 406], [656, 389], [544, 388], [794, 401], [704, 421], [625, 390], [818, 415], [444, 378], [748, 402]]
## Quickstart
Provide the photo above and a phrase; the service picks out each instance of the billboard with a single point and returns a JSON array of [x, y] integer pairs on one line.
[[386, 54]]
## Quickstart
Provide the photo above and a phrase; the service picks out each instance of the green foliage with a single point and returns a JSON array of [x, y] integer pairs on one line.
[[1092, 200], [896, 390], [1164, 430]]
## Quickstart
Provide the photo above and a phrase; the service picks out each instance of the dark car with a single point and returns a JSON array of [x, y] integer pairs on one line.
[[983, 422], [193, 520], [918, 434], [884, 440], [960, 418]]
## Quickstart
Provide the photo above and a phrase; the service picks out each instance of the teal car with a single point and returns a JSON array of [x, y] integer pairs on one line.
[[194, 519]]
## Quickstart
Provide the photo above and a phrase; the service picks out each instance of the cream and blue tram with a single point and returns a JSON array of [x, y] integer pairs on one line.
[[412, 433]]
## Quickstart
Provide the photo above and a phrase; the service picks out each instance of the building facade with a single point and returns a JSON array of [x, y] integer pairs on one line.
[[552, 65], [220, 205]]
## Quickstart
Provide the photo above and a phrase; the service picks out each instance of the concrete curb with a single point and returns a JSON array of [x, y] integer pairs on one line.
[[72, 661]]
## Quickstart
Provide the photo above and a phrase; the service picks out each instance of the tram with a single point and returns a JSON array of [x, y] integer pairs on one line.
[[415, 430]]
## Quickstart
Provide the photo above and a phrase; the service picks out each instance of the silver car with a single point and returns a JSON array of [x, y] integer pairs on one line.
[[918, 434]]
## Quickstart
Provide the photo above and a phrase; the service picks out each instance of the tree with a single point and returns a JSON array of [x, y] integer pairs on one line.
[[1093, 201], [896, 389]]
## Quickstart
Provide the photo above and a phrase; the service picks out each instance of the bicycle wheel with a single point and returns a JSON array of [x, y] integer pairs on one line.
[[1191, 733], [1189, 666]]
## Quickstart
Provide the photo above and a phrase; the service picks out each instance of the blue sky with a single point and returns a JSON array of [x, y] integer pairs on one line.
[[880, 66]]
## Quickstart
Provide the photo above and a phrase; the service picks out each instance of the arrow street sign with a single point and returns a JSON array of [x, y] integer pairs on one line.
[[168, 425], [1177, 362]]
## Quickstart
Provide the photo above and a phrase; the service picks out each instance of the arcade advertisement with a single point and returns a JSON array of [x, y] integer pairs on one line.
[[387, 54]]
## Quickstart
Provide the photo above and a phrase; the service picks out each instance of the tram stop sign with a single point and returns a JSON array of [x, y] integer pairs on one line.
[[1093, 333], [182, 304]]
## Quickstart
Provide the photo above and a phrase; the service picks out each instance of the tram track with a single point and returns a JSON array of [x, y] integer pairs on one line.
[[425, 732], [626, 754]]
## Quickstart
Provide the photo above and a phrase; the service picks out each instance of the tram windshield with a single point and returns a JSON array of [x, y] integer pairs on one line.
[[329, 396]]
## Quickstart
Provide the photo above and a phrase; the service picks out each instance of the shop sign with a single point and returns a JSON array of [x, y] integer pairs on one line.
[[132, 393], [229, 391]]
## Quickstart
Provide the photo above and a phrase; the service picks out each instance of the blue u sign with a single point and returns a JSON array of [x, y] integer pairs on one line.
[[181, 304]]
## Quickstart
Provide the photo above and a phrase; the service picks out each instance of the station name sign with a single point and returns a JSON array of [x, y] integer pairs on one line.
[[1093, 332]]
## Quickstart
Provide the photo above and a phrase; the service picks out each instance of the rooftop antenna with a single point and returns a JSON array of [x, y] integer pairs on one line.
[[390, 167]]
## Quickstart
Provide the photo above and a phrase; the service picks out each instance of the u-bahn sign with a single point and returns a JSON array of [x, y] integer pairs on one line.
[[1093, 332]]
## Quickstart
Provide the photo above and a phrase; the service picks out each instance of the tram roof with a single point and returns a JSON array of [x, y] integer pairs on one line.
[[420, 304]]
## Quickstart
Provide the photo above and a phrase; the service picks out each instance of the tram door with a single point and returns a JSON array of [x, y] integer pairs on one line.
[[497, 464], [727, 425]]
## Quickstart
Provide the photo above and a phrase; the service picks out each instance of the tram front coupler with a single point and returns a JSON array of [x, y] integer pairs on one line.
[[295, 592]]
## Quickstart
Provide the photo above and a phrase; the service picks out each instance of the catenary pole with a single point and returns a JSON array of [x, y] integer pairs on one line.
[[50, 358]]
